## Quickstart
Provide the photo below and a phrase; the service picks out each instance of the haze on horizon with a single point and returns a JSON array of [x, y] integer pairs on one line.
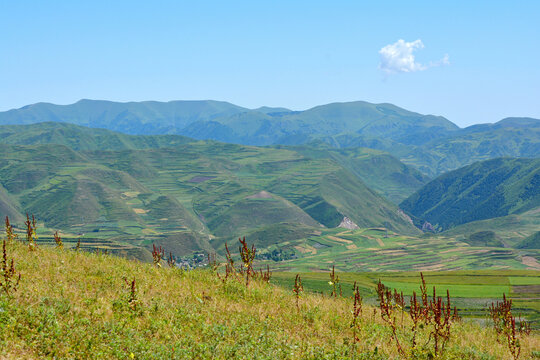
[[471, 63]]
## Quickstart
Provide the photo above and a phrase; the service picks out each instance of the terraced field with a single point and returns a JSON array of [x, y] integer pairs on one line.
[[377, 250], [471, 291]]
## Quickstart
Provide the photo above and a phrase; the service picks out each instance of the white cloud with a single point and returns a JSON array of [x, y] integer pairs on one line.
[[398, 57]]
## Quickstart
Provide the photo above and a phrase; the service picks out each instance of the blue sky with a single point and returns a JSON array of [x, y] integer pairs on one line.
[[296, 54]]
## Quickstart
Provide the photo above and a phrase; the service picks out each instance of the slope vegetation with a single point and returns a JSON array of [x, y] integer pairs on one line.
[[77, 305], [191, 197], [483, 190]]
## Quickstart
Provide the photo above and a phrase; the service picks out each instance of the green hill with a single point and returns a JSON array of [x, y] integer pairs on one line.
[[510, 229], [531, 242], [379, 170], [483, 190], [190, 197], [83, 138]]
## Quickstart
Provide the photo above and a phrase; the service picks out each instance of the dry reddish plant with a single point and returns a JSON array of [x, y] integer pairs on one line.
[[31, 235], [416, 314], [399, 301], [9, 281], [229, 266], [157, 254], [58, 241], [357, 311], [387, 312], [505, 324], [265, 275], [297, 289], [171, 261], [78, 246], [425, 299], [132, 299], [10, 235], [524, 327], [441, 320], [247, 255], [334, 282]]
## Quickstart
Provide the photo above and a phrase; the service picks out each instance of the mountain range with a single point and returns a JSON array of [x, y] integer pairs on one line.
[[205, 172], [432, 144]]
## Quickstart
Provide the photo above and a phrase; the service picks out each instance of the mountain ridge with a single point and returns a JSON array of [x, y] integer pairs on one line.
[[430, 143]]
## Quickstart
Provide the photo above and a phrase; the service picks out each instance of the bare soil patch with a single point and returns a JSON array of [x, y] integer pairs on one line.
[[260, 195]]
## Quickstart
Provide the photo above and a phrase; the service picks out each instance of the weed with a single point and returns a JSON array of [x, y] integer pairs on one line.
[[58, 241], [297, 289], [157, 254], [504, 323], [416, 314], [387, 312], [265, 275], [399, 301], [247, 255], [441, 321], [78, 246], [171, 261], [10, 235], [357, 311], [229, 266], [132, 300], [524, 327], [31, 235], [10, 280], [334, 282]]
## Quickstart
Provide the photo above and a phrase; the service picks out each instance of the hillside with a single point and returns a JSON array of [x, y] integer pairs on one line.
[[83, 138], [188, 198], [511, 137], [430, 143], [530, 242], [511, 229], [379, 170], [483, 190], [78, 305]]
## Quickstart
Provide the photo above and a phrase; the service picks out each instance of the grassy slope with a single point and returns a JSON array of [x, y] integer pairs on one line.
[[374, 250], [182, 197], [83, 138], [379, 170], [483, 190], [511, 229], [530, 242], [75, 305]]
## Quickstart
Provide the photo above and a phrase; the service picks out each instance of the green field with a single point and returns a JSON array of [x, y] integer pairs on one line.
[[471, 291]]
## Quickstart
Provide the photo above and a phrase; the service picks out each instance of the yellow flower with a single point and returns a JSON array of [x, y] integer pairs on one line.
[[330, 283], [132, 355]]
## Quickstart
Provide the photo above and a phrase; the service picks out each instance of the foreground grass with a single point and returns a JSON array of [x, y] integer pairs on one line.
[[76, 305]]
